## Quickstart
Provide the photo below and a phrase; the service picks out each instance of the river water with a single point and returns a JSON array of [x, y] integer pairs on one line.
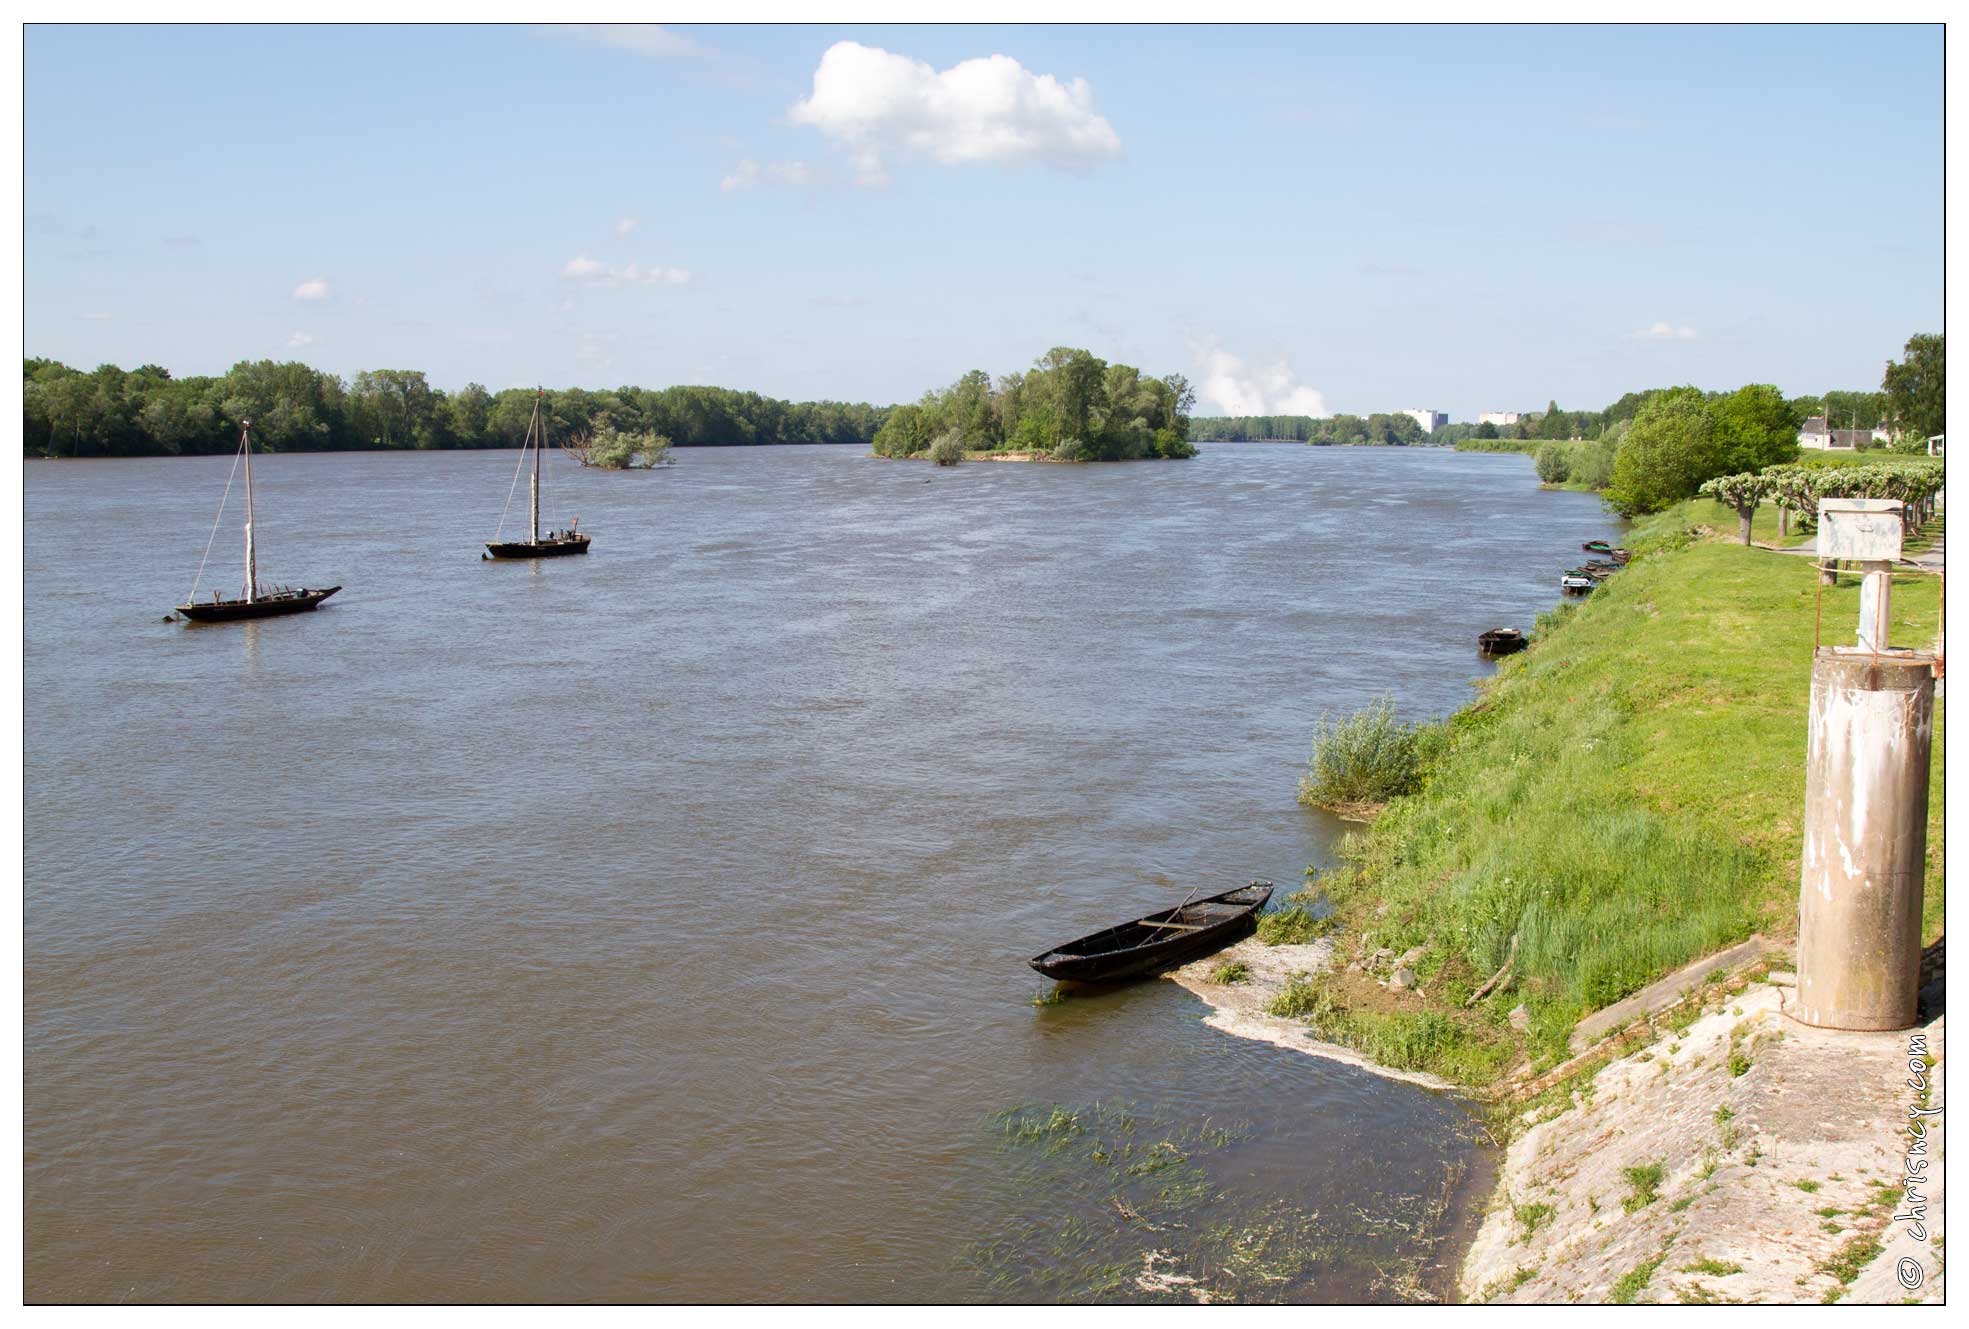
[[652, 925]]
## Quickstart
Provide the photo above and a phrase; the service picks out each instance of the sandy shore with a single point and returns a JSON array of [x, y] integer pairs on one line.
[[1239, 1008]]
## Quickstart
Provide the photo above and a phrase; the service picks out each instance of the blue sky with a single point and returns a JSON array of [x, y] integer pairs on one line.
[[1357, 219]]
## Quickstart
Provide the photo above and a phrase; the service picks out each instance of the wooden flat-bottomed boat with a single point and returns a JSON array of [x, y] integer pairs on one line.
[[1597, 547], [253, 601], [555, 544], [1576, 582], [552, 546], [1501, 641], [1158, 940], [265, 606]]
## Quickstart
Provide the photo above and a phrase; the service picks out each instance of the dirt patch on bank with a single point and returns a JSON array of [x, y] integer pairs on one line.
[[1240, 1008]]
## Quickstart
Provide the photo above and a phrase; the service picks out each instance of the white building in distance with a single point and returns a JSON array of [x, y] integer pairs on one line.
[[1816, 434], [1499, 417], [1430, 421]]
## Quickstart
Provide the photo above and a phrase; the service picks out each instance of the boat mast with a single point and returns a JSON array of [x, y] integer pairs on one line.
[[539, 437], [252, 576]]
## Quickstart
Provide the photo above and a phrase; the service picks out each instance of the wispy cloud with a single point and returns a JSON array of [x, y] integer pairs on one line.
[[95, 316], [642, 38], [625, 227], [592, 272], [296, 340], [839, 301], [1241, 389], [876, 105], [314, 288], [749, 174], [183, 241], [1659, 331]]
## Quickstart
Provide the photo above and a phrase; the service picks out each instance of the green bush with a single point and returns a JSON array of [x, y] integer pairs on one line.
[[1367, 758], [948, 448], [1552, 464]]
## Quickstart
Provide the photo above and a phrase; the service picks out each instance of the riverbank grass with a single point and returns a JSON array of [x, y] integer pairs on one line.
[[1625, 797]]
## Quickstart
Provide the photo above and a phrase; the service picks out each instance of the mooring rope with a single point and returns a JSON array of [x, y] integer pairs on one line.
[[217, 517]]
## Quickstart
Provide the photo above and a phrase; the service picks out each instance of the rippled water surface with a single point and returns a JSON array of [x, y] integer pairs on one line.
[[652, 925]]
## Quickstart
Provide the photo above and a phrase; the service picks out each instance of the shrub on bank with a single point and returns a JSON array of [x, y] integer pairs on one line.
[[948, 448], [1363, 760]]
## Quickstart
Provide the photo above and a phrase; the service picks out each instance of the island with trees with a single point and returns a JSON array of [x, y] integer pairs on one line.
[[146, 412], [1071, 406]]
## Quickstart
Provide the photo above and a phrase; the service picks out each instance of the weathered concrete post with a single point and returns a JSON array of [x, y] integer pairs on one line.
[[1870, 733], [1866, 837]]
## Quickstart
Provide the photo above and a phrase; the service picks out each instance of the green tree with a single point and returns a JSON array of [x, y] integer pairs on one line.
[[1742, 492], [1916, 387], [1667, 452], [906, 432], [1552, 464], [1753, 427]]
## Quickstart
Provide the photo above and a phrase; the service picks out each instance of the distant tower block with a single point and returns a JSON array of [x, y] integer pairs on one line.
[[1866, 837]]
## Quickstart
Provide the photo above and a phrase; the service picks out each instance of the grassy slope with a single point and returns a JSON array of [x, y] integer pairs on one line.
[[1626, 796]]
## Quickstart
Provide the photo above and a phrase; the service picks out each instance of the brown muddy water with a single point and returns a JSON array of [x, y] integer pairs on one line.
[[652, 925]]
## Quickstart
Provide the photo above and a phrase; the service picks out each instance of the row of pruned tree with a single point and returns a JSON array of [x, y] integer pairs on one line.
[[1799, 488]]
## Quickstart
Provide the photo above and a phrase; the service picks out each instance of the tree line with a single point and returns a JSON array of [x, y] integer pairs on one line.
[[1662, 446], [1381, 429], [142, 412], [1070, 406]]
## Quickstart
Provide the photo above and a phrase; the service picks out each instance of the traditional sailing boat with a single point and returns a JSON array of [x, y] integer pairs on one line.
[[569, 541], [256, 602]]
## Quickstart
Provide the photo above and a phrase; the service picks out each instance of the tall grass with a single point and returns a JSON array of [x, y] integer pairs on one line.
[[1361, 760], [1627, 796]]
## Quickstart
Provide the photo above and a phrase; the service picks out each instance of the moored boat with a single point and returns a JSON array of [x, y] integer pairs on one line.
[[254, 601], [556, 543], [1577, 581], [1597, 547], [1500, 641], [1157, 941], [278, 602]]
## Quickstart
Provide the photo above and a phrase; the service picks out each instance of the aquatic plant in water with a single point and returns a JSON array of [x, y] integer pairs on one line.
[[1126, 1205]]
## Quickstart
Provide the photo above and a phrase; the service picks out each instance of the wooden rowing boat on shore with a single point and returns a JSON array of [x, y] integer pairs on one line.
[[1157, 941]]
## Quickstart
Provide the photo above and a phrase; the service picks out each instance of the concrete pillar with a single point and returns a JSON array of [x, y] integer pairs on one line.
[[1866, 837]]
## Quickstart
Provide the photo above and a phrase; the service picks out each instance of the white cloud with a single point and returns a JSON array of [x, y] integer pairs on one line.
[[1667, 332], [624, 227], [749, 174], [590, 272], [642, 38], [95, 316], [873, 103], [296, 340], [1239, 389], [314, 288]]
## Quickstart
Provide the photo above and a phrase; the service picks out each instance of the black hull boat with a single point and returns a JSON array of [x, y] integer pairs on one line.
[[1597, 547], [548, 548], [253, 602], [555, 544], [265, 606], [1500, 641], [1158, 941]]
